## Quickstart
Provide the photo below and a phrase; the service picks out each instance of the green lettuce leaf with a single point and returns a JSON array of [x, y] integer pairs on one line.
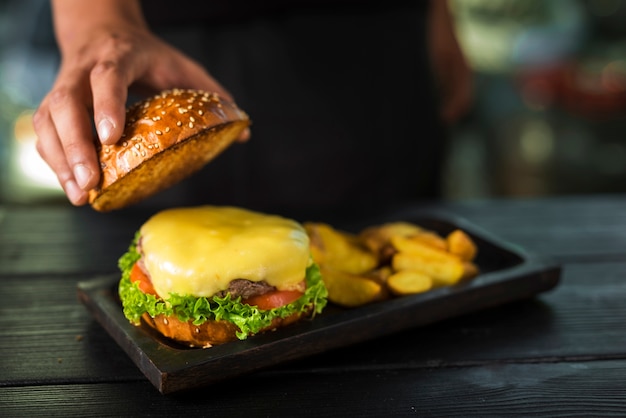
[[249, 319]]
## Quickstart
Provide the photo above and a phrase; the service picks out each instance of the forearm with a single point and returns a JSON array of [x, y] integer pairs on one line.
[[441, 25], [73, 18]]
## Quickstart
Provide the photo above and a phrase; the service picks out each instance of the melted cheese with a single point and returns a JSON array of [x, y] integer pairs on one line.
[[200, 250]]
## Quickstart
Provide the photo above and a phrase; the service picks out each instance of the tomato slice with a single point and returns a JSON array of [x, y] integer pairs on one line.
[[270, 300], [145, 285], [274, 299]]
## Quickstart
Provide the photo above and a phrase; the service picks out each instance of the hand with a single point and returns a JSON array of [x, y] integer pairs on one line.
[[97, 68]]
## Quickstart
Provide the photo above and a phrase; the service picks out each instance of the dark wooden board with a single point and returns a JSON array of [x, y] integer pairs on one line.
[[64, 239], [51, 240], [559, 354], [564, 389], [48, 337], [579, 228], [508, 274]]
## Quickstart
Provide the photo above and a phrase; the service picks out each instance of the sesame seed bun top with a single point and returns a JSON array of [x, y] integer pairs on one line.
[[166, 138]]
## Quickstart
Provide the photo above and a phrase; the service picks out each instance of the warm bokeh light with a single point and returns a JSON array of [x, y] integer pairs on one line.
[[30, 163]]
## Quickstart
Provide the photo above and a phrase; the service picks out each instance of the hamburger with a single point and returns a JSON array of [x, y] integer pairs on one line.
[[208, 275], [166, 138]]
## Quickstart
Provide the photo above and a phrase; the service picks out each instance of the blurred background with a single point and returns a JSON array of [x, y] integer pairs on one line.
[[549, 114]]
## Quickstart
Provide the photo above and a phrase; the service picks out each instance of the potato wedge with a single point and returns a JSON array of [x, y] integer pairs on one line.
[[377, 238], [408, 282], [392, 259], [432, 239], [417, 247], [350, 290], [339, 250], [380, 275], [470, 270], [443, 271], [461, 244]]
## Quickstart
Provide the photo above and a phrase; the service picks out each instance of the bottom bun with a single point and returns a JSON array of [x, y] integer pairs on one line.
[[209, 333]]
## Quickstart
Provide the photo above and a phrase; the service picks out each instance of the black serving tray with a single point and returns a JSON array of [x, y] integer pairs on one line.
[[508, 273]]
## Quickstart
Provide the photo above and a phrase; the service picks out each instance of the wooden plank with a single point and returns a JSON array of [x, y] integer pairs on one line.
[[48, 336], [580, 319], [171, 370], [576, 227], [547, 389], [64, 239]]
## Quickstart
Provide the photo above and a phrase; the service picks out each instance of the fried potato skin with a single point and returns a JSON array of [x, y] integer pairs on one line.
[[389, 260]]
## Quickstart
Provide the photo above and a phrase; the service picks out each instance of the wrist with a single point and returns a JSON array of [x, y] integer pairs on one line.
[[74, 19]]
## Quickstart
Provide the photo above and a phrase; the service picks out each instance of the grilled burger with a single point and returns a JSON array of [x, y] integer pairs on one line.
[[208, 275]]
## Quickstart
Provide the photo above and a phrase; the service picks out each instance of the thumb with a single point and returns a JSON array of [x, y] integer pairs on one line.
[[189, 74]]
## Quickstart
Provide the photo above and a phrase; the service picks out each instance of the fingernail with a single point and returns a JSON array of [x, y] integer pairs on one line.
[[74, 193], [104, 129], [82, 175], [244, 136]]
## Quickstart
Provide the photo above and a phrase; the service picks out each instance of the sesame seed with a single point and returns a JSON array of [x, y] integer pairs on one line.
[[182, 110], [179, 123], [156, 145], [143, 153], [165, 321], [167, 129], [191, 124], [191, 118], [125, 144], [200, 112], [159, 132], [137, 146]]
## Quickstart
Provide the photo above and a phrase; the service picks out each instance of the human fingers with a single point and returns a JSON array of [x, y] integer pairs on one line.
[[206, 82], [187, 73], [109, 87], [184, 72], [51, 151], [68, 106]]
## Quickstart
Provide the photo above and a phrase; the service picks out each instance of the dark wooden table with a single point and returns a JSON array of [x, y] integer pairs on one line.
[[562, 353]]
